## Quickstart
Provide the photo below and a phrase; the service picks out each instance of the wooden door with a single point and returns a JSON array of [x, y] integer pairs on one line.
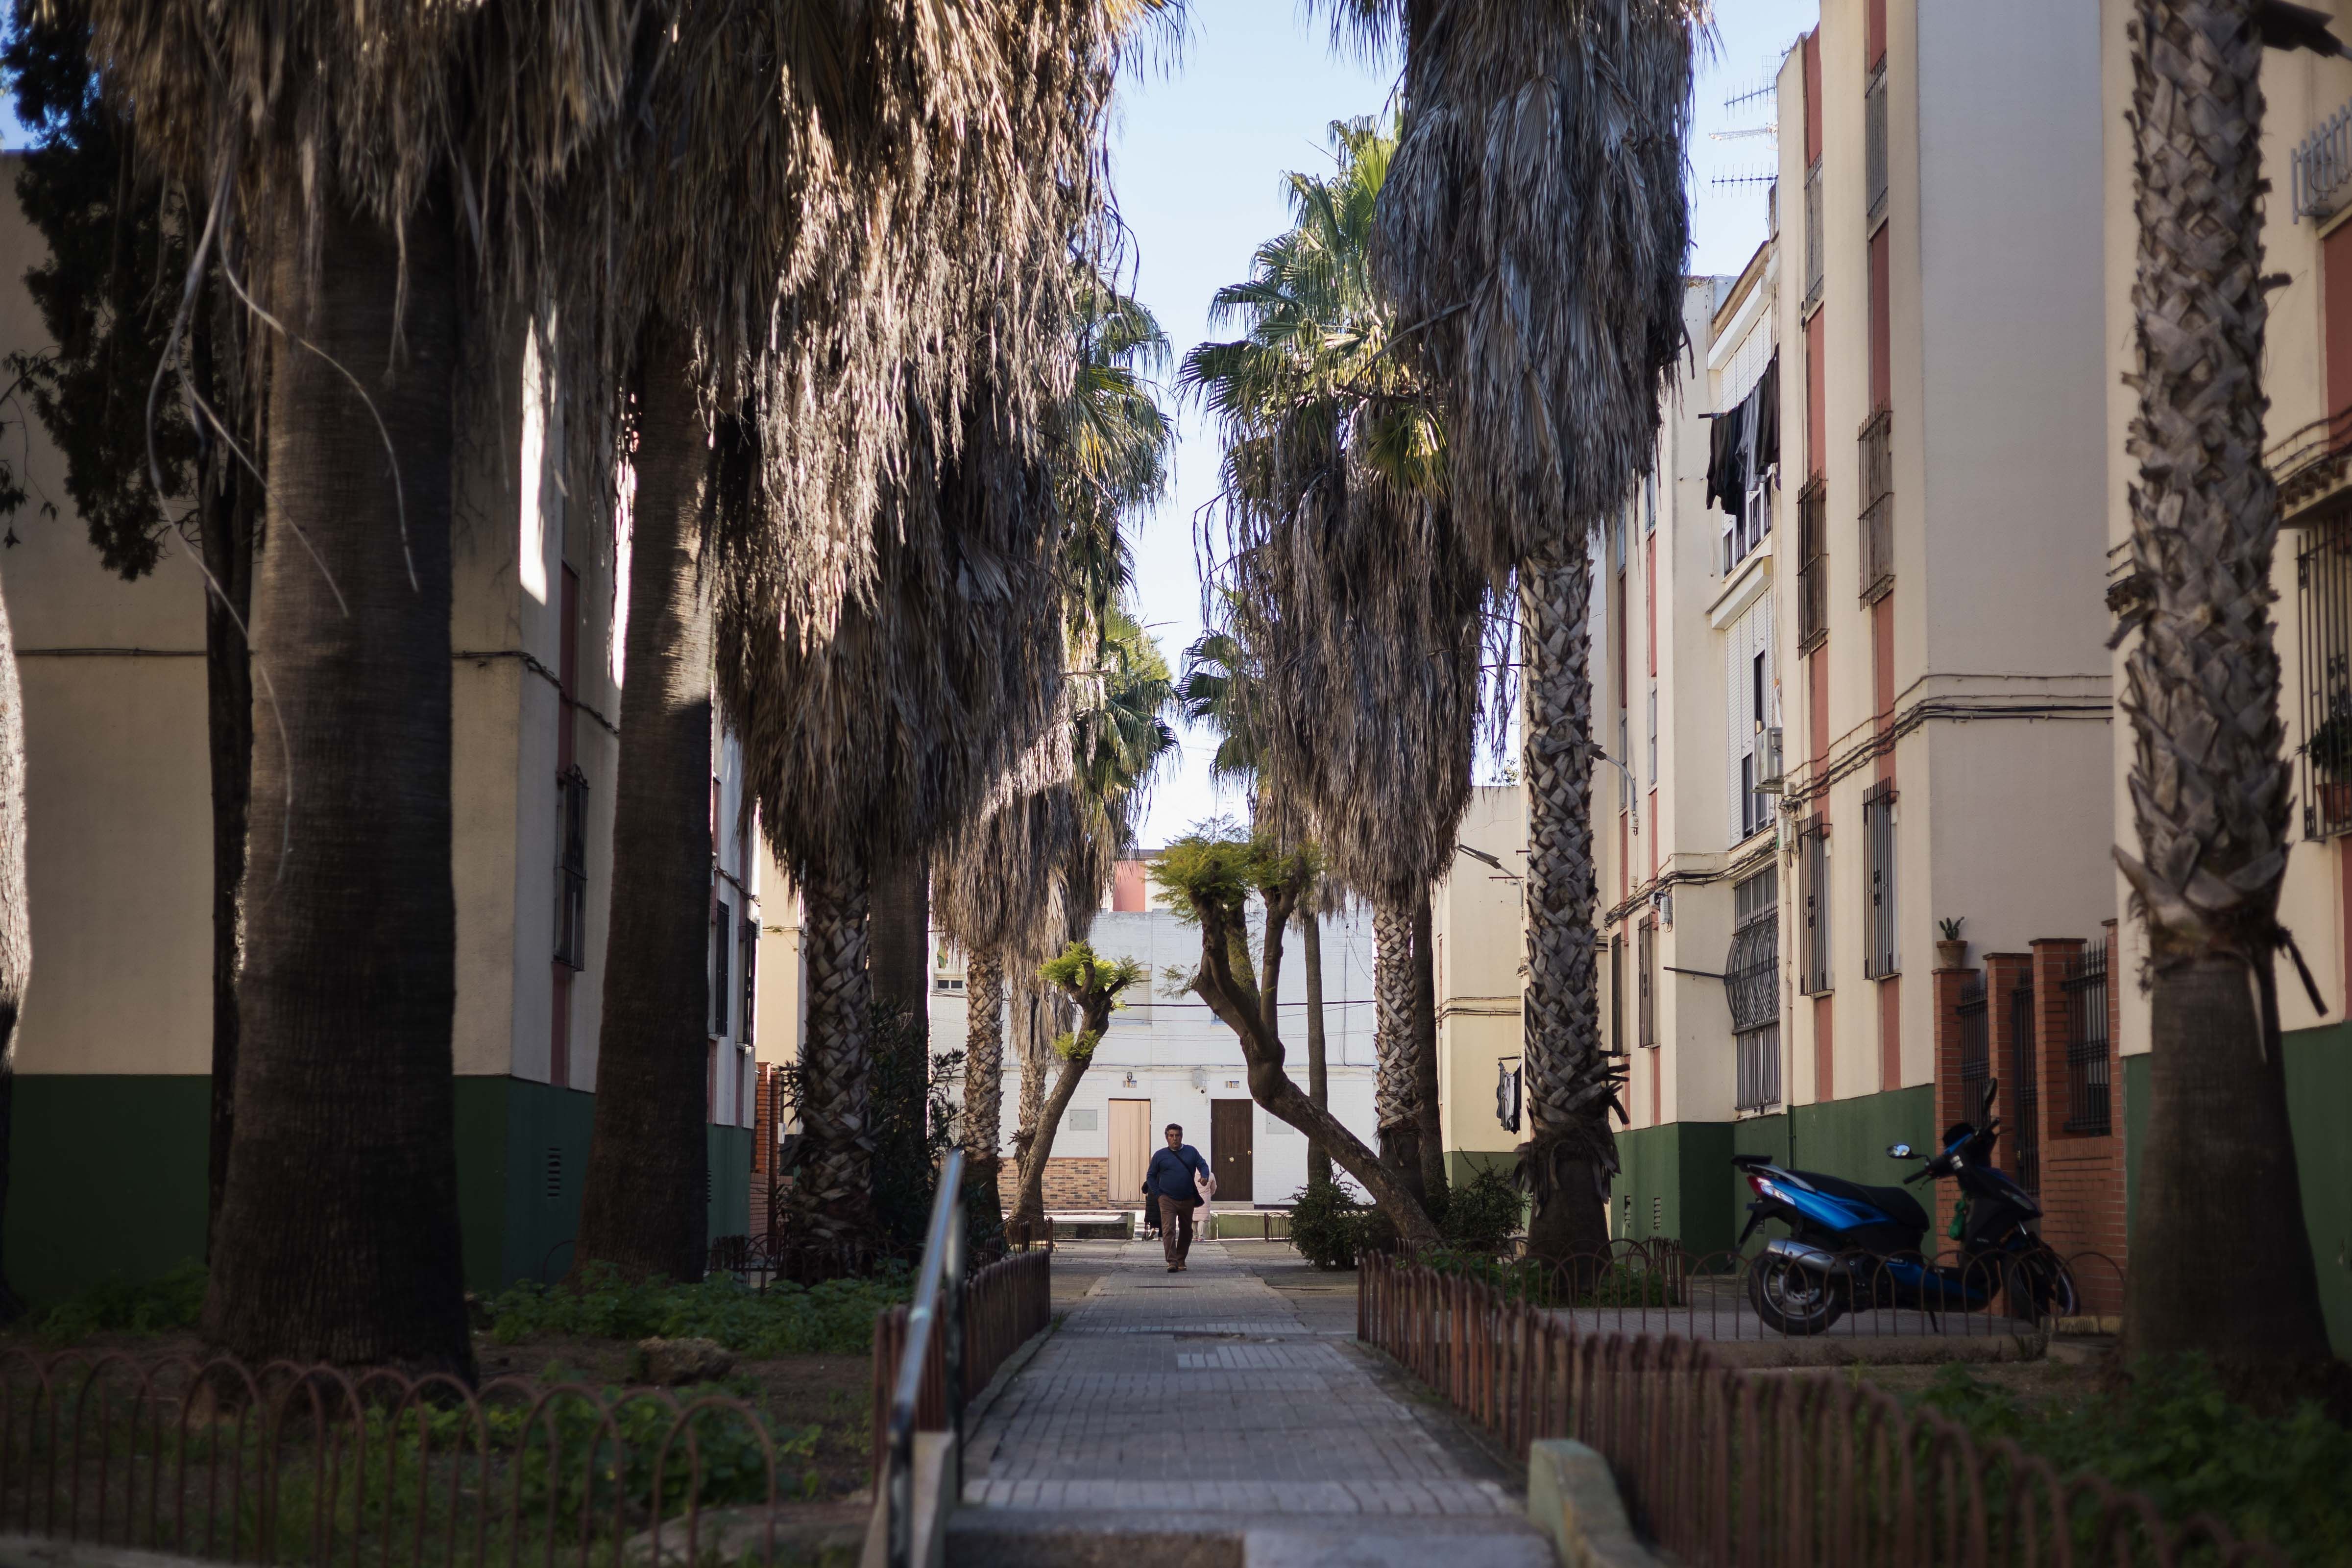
[[1229, 1148], [1131, 1151]]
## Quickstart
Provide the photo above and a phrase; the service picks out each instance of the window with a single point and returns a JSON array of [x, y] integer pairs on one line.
[[1873, 141], [722, 932], [1813, 269], [1617, 542], [2088, 1063], [1747, 690], [1879, 957], [1813, 868], [1650, 502], [750, 969], [572, 870], [1616, 996], [1812, 565], [1751, 984], [1646, 957], [1654, 735], [1877, 532], [2324, 610]]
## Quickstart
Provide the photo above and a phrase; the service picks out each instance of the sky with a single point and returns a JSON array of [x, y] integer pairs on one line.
[[1199, 149]]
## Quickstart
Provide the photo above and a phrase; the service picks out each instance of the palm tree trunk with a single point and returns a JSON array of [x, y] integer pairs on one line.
[[229, 503], [15, 918], [901, 928], [338, 1234], [2221, 1259], [1570, 1157], [984, 1074], [1429, 1130], [643, 1206], [1396, 1091], [1319, 1078], [832, 1192]]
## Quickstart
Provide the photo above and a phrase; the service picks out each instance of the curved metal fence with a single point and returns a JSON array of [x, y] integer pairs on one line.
[[1724, 1467]]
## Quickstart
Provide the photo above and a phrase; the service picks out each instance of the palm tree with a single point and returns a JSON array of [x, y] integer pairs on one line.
[[327, 136], [1530, 237], [2210, 788], [15, 911], [1364, 605]]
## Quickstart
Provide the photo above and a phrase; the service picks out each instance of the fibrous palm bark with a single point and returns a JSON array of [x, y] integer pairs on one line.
[[338, 1232], [832, 1199], [15, 915], [642, 1203], [984, 1066], [1531, 237], [1318, 1069], [2221, 1260], [1430, 1132], [1395, 1090]]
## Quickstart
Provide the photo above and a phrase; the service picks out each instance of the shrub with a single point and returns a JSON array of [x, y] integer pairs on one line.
[[2172, 1434], [1483, 1213], [833, 1318], [171, 1302], [1328, 1225]]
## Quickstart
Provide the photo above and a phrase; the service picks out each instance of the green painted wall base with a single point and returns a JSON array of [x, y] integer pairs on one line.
[[1677, 1179], [108, 1179], [2319, 1104]]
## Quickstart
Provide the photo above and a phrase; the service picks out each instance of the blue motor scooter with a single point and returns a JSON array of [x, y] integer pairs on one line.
[[1851, 1246]]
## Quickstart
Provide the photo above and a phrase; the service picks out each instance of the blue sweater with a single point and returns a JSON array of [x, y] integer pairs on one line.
[[1171, 1175]]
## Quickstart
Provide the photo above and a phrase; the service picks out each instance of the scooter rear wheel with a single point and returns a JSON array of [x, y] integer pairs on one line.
[[1792, 1299]]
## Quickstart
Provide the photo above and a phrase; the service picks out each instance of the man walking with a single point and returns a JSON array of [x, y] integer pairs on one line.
[[1177, 1183]]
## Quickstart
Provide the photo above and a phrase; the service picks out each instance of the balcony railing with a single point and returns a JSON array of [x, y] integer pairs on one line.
[[1877, 506], [2088, 1063], [1812, 565], [2321, 169], [1813, 258], [2323, 574], [1873, 141]]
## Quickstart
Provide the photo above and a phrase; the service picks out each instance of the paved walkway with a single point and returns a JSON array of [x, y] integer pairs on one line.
[[1201, 1401]]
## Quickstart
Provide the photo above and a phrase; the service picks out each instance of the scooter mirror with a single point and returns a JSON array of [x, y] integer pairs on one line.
[[1898, 1151]]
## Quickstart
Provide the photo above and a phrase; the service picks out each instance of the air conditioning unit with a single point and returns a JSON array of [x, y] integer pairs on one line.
[[1768, 760]]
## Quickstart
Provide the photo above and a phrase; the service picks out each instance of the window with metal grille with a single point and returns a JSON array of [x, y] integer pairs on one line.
[[1616, 996], [1878, 538], [572, 870], [1880, 957], [1813, 868], [750, 969], [2321, 169], [1646, 957], [722, 934], [2026, 1087], [1873, 144], [2323, 607], [2088, 1060], [1976, 1047], [1813, 269], [1751, 984], [1812, 565]]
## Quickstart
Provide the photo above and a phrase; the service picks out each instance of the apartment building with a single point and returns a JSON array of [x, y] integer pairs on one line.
[[113, 1053], [1480, 948], [1907, 590], [2307, 378]]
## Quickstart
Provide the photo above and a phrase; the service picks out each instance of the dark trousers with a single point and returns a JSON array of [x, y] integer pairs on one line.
[[1175, 1228]]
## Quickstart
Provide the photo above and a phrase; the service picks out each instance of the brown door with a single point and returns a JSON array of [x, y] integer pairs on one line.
[[1131, 1151], [1229, 1148]]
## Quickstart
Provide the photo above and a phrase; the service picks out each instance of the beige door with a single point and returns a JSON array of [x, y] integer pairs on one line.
[[1131, 1151]]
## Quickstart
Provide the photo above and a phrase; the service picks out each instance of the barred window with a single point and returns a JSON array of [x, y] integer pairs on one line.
[[572, 870], [1873, 141], [1813, 269], [1813, 868], [1751, 984], [2324, 610], [722, 933], [1880, 956], [1616, 996], [750, 969], [1646, 957]]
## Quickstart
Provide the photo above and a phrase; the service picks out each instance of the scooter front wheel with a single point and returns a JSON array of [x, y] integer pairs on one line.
[[2040, 1286], [1791, 1298]]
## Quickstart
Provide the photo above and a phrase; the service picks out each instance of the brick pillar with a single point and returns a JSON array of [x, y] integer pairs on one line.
[[2082, 1165], [1950, 1106]]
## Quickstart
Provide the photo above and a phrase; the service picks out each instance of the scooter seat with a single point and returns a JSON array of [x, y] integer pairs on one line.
[[1894, 1202]]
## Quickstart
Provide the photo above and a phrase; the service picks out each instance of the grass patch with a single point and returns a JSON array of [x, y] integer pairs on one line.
[[168, 1305], [835, 1317], [2173, 1433]]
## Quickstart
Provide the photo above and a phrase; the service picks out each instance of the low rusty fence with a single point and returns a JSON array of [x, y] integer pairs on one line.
[[1727, 1468], [1004, 1304], [1655, 1286], [313, 1464]]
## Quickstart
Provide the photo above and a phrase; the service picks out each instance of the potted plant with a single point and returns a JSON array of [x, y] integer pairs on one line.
[[1951, 951], [2330, 750]]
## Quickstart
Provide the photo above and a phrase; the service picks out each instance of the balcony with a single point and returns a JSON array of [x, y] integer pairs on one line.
[[1877, 532], [1813, 566], [2320, 169]]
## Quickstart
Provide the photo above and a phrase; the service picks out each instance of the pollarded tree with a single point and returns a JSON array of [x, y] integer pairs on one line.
[[385, 167], [1212, 879], [2221, 1262], [1093, 985], [1531, 237]]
